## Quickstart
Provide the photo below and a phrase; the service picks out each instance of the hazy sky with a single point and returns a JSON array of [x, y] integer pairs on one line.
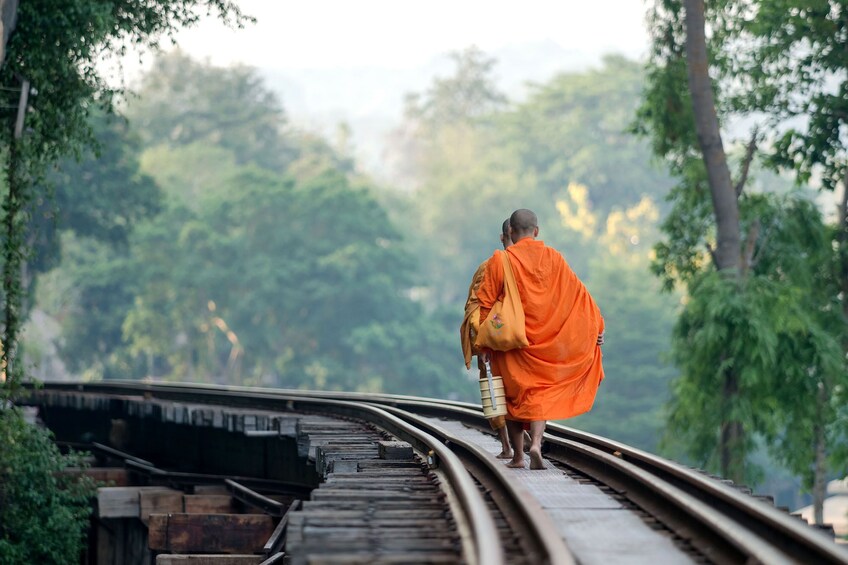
[[403, 34], [306, 50]]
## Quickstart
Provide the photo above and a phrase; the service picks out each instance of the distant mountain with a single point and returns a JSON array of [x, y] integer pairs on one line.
[[370, 99]]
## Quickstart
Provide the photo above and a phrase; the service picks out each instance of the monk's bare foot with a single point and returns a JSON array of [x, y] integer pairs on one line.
[[516, 464], [504, 454], [536, 462]]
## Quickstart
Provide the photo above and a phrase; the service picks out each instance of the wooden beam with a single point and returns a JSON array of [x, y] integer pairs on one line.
[[218, 533], [166, 559], [159, 502], [121, 502], [209, 504], [398, 450]]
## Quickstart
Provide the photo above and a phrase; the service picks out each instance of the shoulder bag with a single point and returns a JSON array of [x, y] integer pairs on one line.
[[503, 328]]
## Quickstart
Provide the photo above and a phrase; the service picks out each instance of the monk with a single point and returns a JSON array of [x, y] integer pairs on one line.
[[468, 333], [557, 375]]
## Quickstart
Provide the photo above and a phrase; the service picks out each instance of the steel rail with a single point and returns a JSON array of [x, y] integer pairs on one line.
[[546, 545], [759, 518], [381, 398], [483, 547], [117, 454], [793, 537], [275, 542], [254, 498], [719, 539]]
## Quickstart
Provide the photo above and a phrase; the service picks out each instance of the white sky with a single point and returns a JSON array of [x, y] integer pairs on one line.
[[402, 34]]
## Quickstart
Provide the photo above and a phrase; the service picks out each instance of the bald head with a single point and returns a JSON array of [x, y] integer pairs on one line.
[[523, 223], [505, 240]]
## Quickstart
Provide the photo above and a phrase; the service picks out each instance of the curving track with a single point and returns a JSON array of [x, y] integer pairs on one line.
[[643, 508]]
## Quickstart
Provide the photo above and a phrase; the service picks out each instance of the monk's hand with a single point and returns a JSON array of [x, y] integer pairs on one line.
[[601, 338], [486, 355]]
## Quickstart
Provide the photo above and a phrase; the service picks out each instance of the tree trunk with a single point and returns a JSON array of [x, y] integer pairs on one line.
[[8, 19], [731, 454], [727, 254], [820, 471], [725, 205]]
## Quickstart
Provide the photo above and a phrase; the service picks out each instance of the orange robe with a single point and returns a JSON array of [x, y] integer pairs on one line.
[[471, 322], [558, 374]]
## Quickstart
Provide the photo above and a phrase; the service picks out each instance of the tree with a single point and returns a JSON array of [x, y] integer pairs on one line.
[[93, 290], [572, 129], [277, 282], [565, 153], [469, 95], [795, 72], [183, 102], [724, 197], [81, 220], [447, 149], [249, 275], [680, 53], [52, 55], [55, 47], [500, 157], [44, 509], [811, 351], [100, 195], [747, 302]]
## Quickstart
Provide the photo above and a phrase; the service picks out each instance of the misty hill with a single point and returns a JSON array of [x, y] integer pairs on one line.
[[371, 99]]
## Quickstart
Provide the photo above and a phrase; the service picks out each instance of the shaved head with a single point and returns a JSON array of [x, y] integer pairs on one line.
[[506, 241], [523, 223]]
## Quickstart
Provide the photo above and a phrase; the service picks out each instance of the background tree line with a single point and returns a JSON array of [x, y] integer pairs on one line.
[[258, 254]]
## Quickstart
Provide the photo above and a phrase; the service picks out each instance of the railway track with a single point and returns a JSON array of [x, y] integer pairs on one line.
[[598, 501]]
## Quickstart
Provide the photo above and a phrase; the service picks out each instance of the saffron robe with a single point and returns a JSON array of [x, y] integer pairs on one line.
[[468, 333], [558, 374], [471, 322]]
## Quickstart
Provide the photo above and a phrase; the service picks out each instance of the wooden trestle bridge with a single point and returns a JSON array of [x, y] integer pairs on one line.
[[222, 476]]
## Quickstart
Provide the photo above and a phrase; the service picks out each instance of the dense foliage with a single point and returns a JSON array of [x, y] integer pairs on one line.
[[43, 509], [47, 54], [269, 262], [760, 345], [51, 66]]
